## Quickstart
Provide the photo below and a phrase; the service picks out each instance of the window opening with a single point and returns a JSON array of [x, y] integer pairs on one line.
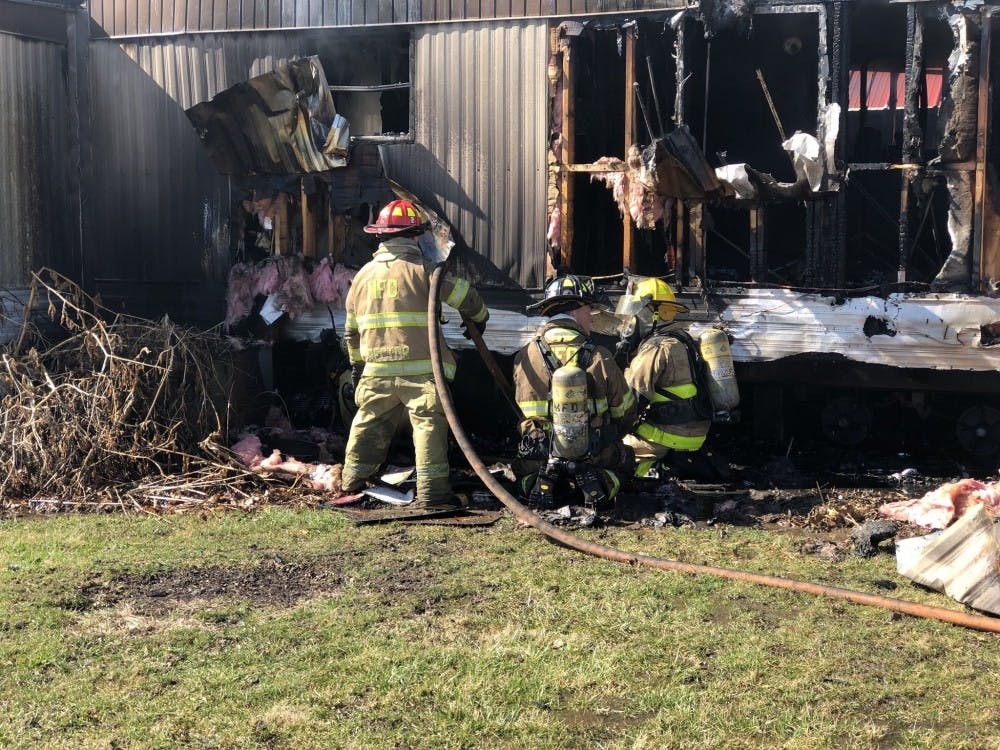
[[370, 80]]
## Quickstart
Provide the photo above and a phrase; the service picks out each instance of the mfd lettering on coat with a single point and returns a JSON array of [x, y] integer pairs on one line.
[[386, 353], [383, 288]]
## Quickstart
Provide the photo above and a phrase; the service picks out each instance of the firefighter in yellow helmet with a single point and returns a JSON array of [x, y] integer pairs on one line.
[[386, 335], [673, 415], [573, 441]]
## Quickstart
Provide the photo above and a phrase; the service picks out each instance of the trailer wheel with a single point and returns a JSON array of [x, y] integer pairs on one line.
[[978, 430]]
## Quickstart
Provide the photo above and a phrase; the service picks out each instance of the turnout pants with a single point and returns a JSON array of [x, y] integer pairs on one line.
[[647, 453], [383, 402]]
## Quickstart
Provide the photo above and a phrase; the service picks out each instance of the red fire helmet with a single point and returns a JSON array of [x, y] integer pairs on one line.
[[397, 216]]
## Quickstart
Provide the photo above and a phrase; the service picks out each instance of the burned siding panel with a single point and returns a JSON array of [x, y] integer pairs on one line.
[[34, 211], [480, 98]]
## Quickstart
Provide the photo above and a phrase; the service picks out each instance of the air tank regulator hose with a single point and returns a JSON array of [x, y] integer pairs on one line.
[[526, 516]]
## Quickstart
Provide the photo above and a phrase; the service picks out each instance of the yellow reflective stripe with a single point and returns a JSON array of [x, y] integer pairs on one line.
[[598, 405], [534, 408], [406, 367], [351, 324], [458, 293], [567, 336], [643, 467], [628, 400], [354, 354], [392, 320], [480, 315], [432, 471], [674, 442], [615, 483], [688, 390]]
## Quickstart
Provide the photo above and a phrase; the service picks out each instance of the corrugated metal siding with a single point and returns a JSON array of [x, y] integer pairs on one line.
[[143, 17], [34, 215], [120, 18], [158, 210], [480, 106]]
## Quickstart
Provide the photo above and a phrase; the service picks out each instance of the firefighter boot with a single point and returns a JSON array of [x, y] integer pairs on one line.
[[542, 495], [588, 481]]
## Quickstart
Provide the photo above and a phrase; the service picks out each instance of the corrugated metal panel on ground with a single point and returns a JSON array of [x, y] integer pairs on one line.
[[130, 18], [480, 104], [34, 215]]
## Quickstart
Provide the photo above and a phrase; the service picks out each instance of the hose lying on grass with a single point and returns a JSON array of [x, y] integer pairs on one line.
[[523, 514]]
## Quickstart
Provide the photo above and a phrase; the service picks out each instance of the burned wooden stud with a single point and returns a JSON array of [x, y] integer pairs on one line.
[[566, 154], [758, 252], [912, 134], [696, 244], [308, 223], [628, 231], [681, 77], [680, 238], [980, 273]]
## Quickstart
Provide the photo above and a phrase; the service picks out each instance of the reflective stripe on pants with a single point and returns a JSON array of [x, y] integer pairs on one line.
[[648, 452]]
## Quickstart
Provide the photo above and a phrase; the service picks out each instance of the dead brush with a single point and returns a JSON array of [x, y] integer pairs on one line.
[[112, 410]]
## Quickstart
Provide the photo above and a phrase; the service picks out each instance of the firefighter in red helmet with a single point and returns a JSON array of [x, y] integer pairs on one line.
[[386, 336]]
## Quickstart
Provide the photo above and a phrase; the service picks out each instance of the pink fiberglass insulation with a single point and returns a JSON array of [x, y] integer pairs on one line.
[[292, 294], [322, 285], [939, 507], [240, 293], [342, 277], [554, 235], [632, 195], [268, 277], [615, 181], [321, 477], [249, 451]]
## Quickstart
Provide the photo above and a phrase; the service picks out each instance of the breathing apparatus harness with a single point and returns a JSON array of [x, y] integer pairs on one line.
[[677, 410], [571, 443]]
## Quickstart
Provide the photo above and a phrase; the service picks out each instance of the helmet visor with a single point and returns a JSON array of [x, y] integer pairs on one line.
[[606, 322], [630, 304]]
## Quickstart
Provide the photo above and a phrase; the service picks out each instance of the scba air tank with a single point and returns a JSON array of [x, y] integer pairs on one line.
[[722, 387], [570, 418]]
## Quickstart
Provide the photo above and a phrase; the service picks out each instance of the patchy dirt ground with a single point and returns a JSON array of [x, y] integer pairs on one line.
[[272, 581]]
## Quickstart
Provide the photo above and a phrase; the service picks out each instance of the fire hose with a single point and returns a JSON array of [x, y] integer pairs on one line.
[[528, 517]]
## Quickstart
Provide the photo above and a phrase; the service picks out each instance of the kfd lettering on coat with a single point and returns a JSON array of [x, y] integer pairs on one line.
[[383, 288], [386, 353]]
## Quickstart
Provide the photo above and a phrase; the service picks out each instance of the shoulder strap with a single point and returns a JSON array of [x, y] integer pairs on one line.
[[548, 357], [694, 360], [585, 354]]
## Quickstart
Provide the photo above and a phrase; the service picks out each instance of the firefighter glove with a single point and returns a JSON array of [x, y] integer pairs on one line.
[[356, 371], [466, 324]]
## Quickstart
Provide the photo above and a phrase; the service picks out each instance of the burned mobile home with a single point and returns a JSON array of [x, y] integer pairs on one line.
[[819, 178]]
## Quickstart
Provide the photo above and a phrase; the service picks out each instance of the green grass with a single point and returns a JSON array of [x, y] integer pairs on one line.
[[284, 629]]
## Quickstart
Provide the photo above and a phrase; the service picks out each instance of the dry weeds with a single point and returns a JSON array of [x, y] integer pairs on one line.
[[102, 410]]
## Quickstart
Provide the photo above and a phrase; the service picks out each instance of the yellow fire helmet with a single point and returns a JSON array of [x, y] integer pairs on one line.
[[654, 294]]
